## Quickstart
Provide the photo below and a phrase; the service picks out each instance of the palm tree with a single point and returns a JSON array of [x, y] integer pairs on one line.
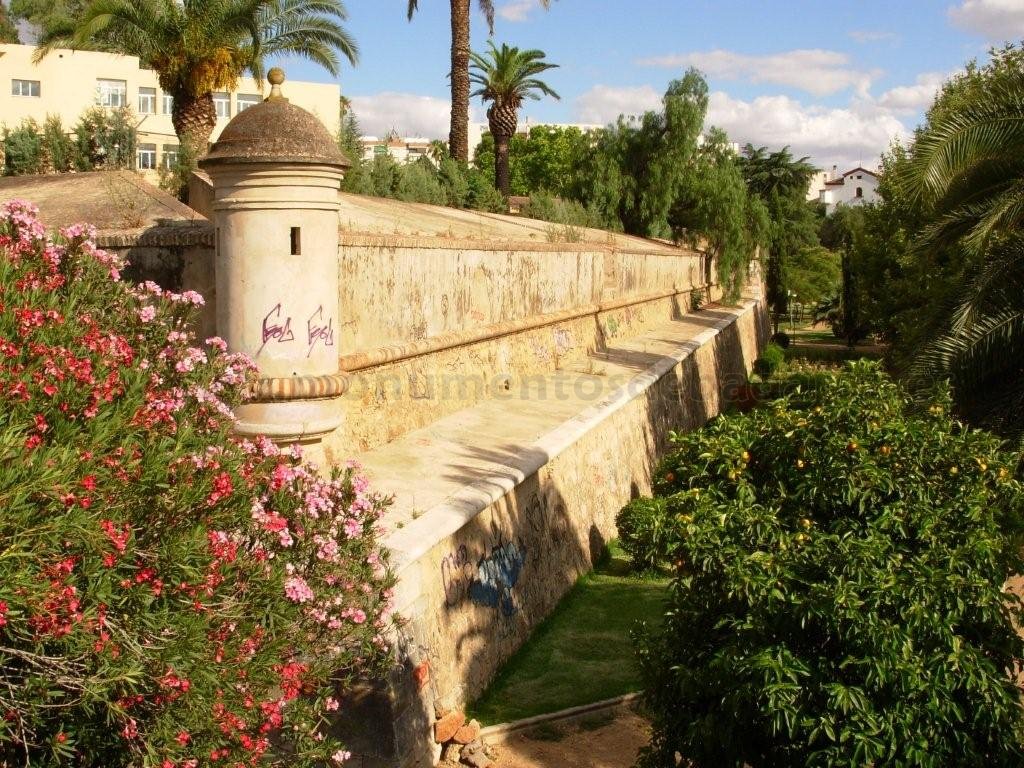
[[197, 47], [506, 77], [458, 138], [968, 168]]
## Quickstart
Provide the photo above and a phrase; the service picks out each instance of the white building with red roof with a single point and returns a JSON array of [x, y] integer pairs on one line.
[[858, 186]]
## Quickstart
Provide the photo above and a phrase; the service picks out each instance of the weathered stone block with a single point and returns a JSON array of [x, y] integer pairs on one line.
[[468, 733], [448, 726]]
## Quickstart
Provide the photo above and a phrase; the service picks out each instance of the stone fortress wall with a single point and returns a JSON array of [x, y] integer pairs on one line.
[[509, 382], [452, 315]]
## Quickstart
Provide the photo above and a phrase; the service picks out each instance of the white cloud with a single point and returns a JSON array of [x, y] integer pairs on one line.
[[816, 71], [997, 20], [516, 10], [603, 103], [843, 136], [407, 113], [872, 36], [912, 99]]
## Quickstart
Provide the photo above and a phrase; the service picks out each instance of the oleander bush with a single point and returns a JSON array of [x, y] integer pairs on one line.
[[839, 592], [169, 595]]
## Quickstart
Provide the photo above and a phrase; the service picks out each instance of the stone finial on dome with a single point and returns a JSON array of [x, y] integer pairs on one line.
[[276, 78]]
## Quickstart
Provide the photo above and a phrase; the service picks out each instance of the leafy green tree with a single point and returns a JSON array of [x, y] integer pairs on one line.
[[838, 600], [484, 159], [53, 17], [714, 208], [548, 158], [506, 77], [638, 166], [200, 46], [8, 32], [357, 178], [781, 181], [814, 274], [458, 139]]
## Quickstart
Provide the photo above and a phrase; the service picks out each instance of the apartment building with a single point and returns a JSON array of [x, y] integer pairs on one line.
[[66, 83], [406, 149]]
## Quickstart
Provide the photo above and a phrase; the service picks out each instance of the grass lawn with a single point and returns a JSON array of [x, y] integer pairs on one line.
[[582, 653]]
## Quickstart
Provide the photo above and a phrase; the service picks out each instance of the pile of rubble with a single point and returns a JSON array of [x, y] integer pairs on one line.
[[460, 741]]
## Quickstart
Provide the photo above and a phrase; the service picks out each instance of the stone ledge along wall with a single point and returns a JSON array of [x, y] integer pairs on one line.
[[433, 325], [472, 597]]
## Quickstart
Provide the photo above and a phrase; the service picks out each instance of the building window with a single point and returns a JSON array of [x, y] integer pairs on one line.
[[147, 101], [245, 100], [145, 157], [111, 93], [222, 103], [860, 192], [25, 88], [170, 156], [168, 103]]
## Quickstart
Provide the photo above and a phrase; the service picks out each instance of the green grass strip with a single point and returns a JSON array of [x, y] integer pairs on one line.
[[580, 654]]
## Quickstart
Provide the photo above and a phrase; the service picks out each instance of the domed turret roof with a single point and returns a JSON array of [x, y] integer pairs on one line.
[[275, 131]]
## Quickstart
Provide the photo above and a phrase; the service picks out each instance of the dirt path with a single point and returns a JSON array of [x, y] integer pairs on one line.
[[600, 743]]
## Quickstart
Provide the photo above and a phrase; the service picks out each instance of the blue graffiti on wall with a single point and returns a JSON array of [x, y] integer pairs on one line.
[[487, 582], [496, 575]]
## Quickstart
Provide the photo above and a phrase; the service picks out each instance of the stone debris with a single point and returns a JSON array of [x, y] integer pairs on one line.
[[446, 727], [452, 753], [476, 758], [468, 733]]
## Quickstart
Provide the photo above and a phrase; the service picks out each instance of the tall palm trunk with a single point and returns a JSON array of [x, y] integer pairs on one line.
[[194, 119], [503, 120], [458, 139]]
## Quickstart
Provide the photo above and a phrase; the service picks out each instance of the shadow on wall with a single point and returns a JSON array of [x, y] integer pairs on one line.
[[489, 585]]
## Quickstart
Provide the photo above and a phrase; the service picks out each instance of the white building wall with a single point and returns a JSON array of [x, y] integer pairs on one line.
[[68, 86], [859, 187]]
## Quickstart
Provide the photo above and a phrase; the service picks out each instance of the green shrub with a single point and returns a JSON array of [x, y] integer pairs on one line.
[[697, 299], [169, 596], [483, 196], [643, 526], [781, 339], [58, 147], [23, 149], [105, 138], [839, 598], [418, 183], [771, 359], [547, 207]]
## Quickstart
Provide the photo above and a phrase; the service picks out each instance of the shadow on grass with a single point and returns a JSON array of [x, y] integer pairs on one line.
[[583, 652]]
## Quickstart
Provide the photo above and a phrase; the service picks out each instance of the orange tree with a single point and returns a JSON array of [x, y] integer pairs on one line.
[[169, 596], [838, 598]]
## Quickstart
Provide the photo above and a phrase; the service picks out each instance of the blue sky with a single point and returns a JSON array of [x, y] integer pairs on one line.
[[836, 80]]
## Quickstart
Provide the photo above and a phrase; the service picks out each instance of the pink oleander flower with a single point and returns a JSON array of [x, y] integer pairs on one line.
[[297, 590]]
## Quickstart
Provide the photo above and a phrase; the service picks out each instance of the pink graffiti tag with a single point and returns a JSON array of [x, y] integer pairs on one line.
[[272, 328], [318, 332]]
